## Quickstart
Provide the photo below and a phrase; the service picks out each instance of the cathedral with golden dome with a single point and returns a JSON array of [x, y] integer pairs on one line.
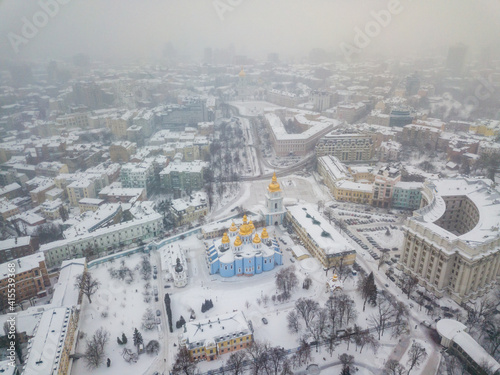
[[244, 251]]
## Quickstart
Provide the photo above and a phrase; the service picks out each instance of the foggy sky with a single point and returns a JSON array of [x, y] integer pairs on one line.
[[136, 30]]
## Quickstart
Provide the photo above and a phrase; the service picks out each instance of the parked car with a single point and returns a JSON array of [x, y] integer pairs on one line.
[[158, 312], [264, 320]]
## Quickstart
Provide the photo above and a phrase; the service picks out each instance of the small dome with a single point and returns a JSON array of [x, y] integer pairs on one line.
[[252, 227], [264, 233], [335, 277], [245, 220], [242, 73], [225, 238], [237, 241], [256, 239], [233, 227], [274, 186]]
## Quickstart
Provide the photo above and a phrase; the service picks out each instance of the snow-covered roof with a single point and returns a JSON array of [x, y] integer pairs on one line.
[[315, 127], [45, 349], [354, 186], [455, 331], [335, 168], [479, 192], [12, 243], [319, 229], [214, 329], [65, 293], [22, 264], [406, 185]]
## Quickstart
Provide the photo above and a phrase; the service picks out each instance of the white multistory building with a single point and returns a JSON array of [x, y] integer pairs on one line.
[[452, 244]]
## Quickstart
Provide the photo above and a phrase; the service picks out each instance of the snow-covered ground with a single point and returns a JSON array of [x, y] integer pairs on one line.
[[124, 304], [252, 108]]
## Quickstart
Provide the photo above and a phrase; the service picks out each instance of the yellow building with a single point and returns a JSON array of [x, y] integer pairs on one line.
[[206, 339], [7, 209], [319, 237], [190, 209], [488, 128], [80, 189], [349, 191]]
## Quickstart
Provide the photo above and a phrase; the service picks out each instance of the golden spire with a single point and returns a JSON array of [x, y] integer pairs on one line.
[[242, 73], [225, 238], [274, 186], [237, 241], [233, 227]]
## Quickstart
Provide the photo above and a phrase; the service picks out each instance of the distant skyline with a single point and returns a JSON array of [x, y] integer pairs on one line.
[[130, 30]]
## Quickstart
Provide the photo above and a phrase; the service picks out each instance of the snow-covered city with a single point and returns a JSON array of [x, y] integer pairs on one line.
[[214, 207]]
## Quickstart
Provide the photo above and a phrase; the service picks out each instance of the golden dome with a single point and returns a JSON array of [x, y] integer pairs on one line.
[[274, 186], [242, 73], [252, 227], [233, 227], [225, 238], [237, 241], [335, 277], [245, 230], [256, 239], [245, 219], [264, 233]]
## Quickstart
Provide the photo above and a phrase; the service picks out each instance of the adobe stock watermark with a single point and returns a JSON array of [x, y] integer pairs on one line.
[[483, 91], [223, 6], [31, 26], [380, 20]]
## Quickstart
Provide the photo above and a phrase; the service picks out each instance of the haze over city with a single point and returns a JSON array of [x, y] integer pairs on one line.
[[250, 187], [134, 31]]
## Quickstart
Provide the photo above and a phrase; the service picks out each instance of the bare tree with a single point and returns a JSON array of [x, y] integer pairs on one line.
[[409, 284], [235, 363], [286, 281], [257, 352], [87, 284], [491, 328], [381, 317], [293, 322], [416, 355], [275, 361], [383, 258], [94, 352], [328, 212], [393, 367], [183, 364], [303, 355], [307, 309]]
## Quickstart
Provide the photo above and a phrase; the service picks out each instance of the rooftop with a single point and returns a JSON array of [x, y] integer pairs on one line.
[[22, 264], [319, 229], [214, 329]]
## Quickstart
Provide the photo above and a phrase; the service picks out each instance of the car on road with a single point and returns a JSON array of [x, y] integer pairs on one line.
[[158, 312], [264, 320]]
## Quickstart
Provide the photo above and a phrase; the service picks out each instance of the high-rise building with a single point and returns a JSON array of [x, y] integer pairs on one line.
[[455, 60], [452, 244]]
